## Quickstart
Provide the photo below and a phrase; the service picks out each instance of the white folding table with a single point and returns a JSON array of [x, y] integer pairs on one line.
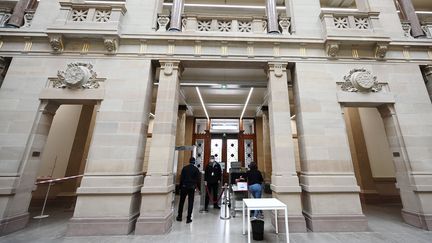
[[264, 204]]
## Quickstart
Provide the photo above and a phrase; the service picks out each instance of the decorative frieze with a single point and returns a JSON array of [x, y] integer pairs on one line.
[[78, 75], [361, 80]]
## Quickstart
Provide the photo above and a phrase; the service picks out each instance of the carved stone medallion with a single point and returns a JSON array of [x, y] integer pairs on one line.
[[361, 80], [77, 75]]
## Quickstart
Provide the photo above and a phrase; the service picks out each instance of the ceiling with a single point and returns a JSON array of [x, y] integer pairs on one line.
[[224, 88]]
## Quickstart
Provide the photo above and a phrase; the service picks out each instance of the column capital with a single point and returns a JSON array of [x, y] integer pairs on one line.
[[277, 67], [168, 66]]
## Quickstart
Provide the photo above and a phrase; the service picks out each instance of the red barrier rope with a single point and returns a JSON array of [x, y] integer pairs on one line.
[[58, 179], [211, 197]]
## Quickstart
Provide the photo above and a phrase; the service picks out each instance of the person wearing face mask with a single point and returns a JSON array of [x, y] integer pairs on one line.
[[212, 177]]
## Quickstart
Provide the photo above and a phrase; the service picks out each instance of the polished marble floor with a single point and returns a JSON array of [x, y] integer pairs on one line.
[[385, 225]]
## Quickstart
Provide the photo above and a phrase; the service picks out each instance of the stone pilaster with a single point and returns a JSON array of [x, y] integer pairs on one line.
[[330, 192], [272, 17], [285, 183], [176, 15], [414, 188], [16, 186], [411, 15], [109, 195], [157, 191]]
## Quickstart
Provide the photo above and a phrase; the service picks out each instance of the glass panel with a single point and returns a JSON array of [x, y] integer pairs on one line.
[[224, 126], [248, 126], [216, 149], [249, 151], [200, 126], [199, 143], [232, 152]]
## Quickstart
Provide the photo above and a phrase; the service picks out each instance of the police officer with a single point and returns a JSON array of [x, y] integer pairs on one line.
[[189, 179], [212, 177]]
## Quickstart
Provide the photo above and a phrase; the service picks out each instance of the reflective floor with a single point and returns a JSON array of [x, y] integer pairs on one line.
[[385, 225]]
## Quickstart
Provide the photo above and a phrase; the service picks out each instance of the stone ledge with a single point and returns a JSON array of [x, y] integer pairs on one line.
[[101, 226], [336, 223], [326, 189], [423, 221], [9, 225], [110, 190], [296, 224], [154, 225], [157, 190]]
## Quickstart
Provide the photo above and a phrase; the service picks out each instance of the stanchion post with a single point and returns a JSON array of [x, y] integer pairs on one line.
[[225, 214], [203, 193], [42, 215]]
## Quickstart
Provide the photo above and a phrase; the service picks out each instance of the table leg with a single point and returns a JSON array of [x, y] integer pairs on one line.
[[286, 225], [243, 215], [276, 222], [249, 225]]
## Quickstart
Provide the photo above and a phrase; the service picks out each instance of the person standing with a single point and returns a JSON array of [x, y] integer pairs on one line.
[[212, 178], [189, 180], [255, 179]]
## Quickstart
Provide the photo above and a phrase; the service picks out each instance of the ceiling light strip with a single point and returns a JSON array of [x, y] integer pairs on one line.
[[202, 103], [247, 102]]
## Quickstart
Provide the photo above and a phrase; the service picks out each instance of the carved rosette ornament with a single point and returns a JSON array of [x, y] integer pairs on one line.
[[361, 80], [78, 75]]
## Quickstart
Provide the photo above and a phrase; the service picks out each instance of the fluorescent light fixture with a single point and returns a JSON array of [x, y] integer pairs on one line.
[[247, 102], [202, 102], [222, 6]]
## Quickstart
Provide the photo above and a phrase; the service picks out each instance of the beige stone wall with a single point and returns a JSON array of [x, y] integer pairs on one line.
[[59, 142], [378, 150]]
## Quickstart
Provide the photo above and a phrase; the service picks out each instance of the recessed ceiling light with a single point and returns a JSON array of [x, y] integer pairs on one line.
[[247, 102], [202, 102]]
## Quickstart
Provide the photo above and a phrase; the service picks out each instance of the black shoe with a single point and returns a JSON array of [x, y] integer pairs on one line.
[[216, 207], [188, 221], [179, 218]]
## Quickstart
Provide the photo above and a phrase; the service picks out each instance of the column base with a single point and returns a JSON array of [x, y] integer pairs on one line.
[[423, 221], [10, 225], [154, 225], [105, 226], [296, 224], [336, 223]]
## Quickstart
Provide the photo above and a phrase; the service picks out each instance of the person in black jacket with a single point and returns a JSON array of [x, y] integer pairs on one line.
[[189, 179], [255, 179], [212, 178]]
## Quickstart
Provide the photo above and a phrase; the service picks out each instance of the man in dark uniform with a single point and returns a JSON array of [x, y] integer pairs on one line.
[[212, 178], [189, 179]]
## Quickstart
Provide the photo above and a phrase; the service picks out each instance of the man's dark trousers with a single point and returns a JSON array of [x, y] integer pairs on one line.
[[212, 188], [190, 193]]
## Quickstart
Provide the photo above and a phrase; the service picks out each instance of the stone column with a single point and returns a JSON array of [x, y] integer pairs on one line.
[[17, 18], [176, 15], [409, 11], [180, 140], [157, 191], [266, 144], [272, 17], [17, 183], [284, 182]]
